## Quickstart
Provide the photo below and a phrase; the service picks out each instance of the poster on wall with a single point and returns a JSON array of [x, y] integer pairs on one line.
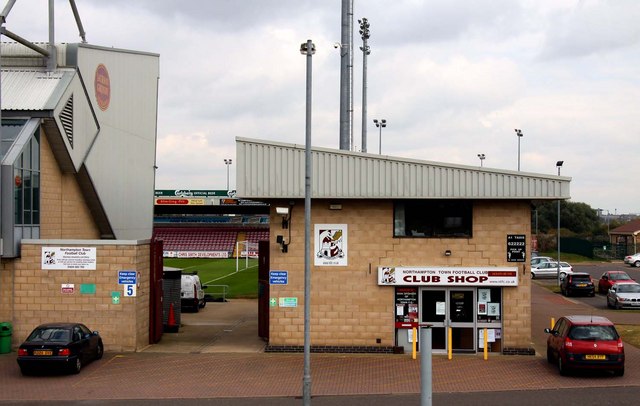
[[330, 244], [68, 258]]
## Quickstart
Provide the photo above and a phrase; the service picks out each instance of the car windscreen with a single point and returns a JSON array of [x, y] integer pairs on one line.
[[619, 276], [50, 334], [581, 278], [628, 289], [593, 332]]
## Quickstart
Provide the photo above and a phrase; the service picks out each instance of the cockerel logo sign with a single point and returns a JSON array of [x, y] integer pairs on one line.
[[331, 245]]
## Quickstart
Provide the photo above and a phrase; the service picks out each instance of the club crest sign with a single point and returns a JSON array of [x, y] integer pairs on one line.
[[330, 242], [102, 86]]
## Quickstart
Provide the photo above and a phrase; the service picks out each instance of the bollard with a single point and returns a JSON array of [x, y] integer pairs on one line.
[[449, 343], [413, 344], [486, 350], [553, 323], [426, 394]]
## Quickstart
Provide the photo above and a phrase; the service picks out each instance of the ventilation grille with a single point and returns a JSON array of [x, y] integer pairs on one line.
[[66, 118]]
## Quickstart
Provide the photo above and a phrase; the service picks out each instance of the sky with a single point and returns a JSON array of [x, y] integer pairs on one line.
[[453, 79]]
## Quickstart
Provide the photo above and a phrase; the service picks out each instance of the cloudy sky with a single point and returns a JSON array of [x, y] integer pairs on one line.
[[453, 79]]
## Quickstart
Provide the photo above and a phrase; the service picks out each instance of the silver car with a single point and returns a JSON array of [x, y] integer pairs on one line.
[[624, 294], [535, 261], [550, 270]]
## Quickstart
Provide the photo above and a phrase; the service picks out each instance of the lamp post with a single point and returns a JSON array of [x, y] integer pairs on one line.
[[519, 134], [307, 49], [559, 165], [380, 124], [482, 157], [366, 50], [228, 162]]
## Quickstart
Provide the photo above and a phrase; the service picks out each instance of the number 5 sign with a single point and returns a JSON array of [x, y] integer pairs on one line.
[[130, 290]]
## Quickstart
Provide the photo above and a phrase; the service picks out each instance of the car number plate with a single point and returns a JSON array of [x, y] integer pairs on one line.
[[42, 352], [582, 285], [595, 357]]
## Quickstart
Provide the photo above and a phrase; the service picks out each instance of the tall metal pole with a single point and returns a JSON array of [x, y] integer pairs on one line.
[[366, 50], [426, 368], [307, 49], [519, 134], [380, 124], [346, 76], [559, 165]]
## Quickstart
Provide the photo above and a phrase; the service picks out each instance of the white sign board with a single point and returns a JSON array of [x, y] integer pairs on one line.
[[129, 290], [448, 276], [68, 258]]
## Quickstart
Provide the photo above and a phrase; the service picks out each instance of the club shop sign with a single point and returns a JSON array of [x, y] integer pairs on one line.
[[448, 276]]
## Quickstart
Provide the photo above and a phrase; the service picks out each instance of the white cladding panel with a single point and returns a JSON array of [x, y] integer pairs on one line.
[[277, 170], [121, 161]]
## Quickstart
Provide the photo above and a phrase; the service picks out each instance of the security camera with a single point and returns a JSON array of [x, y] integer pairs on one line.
[[336, 45]]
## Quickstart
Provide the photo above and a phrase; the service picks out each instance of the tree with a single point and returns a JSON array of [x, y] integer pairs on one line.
[[577, 218]]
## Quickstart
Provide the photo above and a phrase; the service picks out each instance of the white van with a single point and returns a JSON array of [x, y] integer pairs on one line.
[[191, 292]]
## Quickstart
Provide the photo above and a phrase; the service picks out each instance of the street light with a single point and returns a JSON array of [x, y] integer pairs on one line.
[[519, 134], [380, 124], [307, 49], [228, 163], [366, 50], [482, 157], [559, 165]]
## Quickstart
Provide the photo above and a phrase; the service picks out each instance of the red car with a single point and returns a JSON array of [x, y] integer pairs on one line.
[[585, 342], [609, 278]]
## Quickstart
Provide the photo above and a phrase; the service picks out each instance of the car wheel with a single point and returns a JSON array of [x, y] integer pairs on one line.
[[636, 264], [99, 350], [593, 293], [203, 304], [618, 307], [618, 372], [609, 304], [549, 355], [25, 371], [533, 276], [77, 366], [563, 370]]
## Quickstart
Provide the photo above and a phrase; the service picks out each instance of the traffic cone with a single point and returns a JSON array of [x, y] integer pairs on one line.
[[172, 326]]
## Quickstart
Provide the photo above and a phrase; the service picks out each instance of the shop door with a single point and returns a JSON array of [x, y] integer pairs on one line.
[[462, 319], [449, 307], [434, 311]]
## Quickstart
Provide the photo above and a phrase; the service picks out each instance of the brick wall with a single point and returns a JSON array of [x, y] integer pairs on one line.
[[37, 295], [347, 305], [64, 213]]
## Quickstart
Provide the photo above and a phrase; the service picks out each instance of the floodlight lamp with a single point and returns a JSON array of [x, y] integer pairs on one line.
[[282, 211], [559, 163]]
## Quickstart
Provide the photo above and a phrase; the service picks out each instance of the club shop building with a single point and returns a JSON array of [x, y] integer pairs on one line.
[[394, 243]]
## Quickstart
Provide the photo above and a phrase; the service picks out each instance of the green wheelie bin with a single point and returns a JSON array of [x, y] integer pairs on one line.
[[5, 337]]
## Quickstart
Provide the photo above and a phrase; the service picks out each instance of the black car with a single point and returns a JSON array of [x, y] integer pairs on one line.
[[578, 283], [59, 346]]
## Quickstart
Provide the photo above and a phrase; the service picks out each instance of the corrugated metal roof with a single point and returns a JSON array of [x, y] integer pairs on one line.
[[33, 89], [277, 170]]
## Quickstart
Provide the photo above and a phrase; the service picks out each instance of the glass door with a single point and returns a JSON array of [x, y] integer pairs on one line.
[[450, 307], [434, 311], [462, 319]]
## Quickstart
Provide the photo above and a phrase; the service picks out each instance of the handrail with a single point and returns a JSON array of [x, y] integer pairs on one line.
[[225, 289]]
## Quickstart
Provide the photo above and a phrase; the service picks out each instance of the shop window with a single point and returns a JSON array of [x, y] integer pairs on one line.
[[489, 305], [433, 218]]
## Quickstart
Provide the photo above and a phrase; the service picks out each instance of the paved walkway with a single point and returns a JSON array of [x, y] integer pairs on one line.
[[196, 371]]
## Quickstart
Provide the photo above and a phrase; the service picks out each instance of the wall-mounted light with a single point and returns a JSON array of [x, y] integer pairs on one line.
[[285, 213], [447, 253], [283, 245]]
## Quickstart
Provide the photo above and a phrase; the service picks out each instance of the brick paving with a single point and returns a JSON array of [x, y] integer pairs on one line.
[[156, 374]]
